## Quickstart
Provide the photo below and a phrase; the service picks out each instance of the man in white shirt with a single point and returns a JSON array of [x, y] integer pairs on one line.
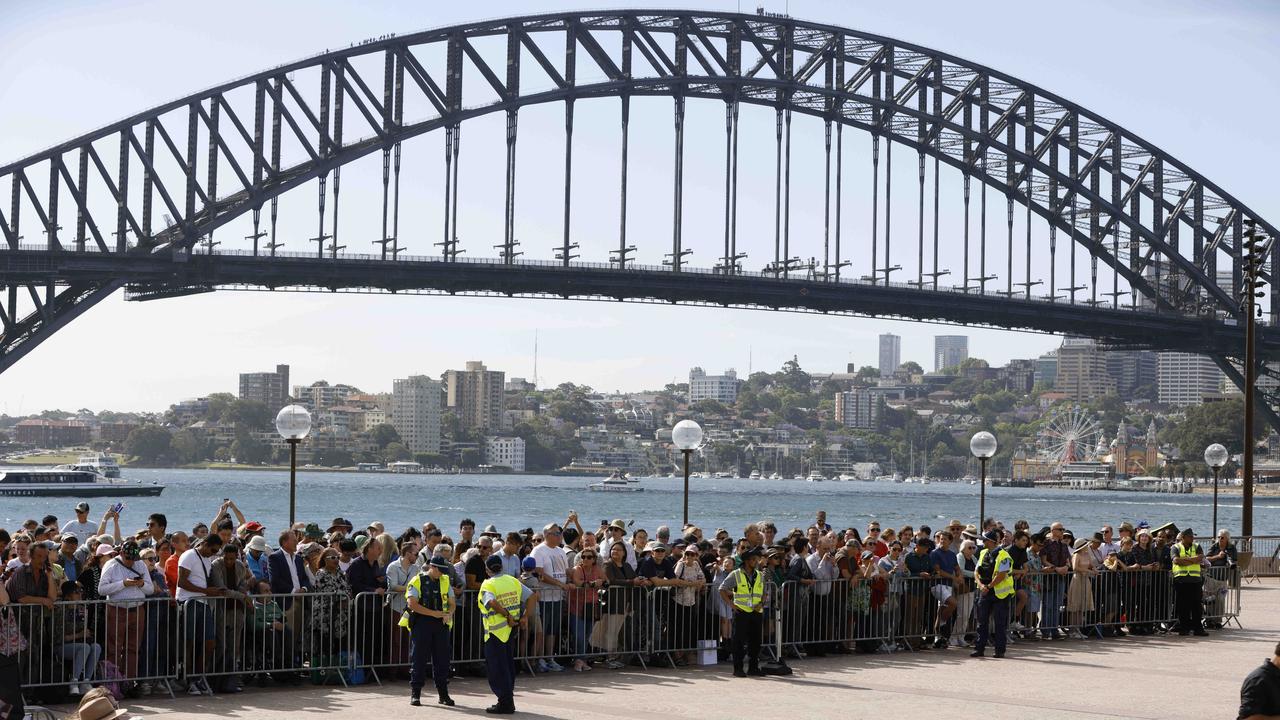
[[125, 582], [194, 568], [553, 570], [80, 527]]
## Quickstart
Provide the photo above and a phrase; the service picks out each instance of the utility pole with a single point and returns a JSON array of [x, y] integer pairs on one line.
[[1255, 256]]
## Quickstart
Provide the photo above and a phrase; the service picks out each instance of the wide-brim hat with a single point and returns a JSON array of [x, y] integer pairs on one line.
[[1166, 526], [1126, 525], [259, 543], [340, 523], [98, 706], [618, 525], [1081, 544], [490, 531], [441, 564], [991, 536], [312, 531]]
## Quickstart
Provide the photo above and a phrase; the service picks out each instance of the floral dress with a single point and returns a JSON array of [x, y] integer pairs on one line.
[[329, 615]]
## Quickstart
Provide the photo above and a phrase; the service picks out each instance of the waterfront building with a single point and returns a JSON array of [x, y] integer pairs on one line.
[[505, 452], [949, 351], [1082, 370], [269, 388], [1185, 378], [890, 354], [43, 433], [415, 412], [189, 411], [722, 388], [860, 407], [475, 395]]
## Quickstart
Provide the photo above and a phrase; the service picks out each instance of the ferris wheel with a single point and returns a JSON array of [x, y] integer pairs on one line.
[[1070, 435]]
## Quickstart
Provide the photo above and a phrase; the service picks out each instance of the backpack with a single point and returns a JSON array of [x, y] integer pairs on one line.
[[111, 679]]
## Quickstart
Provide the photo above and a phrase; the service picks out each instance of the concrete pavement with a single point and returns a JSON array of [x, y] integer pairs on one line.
[[1133, 677]]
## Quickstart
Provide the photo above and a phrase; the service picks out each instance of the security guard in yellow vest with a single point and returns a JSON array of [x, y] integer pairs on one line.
[[743, 589], [1187, 581], [505, 603], [995, 591], [429, 621]]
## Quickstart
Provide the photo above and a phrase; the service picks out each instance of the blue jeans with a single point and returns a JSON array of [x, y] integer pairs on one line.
[[581, 627], [1055, 587], [84, 659]]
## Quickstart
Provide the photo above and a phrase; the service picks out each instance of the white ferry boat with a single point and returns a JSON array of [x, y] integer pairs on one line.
[[71, 483], [100, 463]]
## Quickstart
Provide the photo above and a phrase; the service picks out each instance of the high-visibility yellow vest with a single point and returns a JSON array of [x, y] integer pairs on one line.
[[1004, 588], [416, 584], [1187, 571], [749, 597], [507, 590]]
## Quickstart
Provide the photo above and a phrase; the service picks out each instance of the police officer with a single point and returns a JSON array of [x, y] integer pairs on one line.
[[995, 591], [1187, 558], [504, 603], [743, 589], [429, 621]]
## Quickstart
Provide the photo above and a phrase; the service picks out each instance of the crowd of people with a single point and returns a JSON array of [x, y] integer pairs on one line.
[[267, 606]]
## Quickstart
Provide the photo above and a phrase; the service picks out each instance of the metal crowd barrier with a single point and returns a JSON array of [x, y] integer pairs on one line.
[[329, 638]]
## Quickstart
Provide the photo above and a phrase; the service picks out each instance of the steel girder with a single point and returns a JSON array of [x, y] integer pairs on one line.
[[1151, 221]]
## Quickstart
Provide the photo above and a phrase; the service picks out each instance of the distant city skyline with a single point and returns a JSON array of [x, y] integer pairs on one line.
[[146, 356]]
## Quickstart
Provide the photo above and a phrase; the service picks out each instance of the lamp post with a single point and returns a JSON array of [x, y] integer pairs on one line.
[[1215, 456], [983, 447], [293, 422], [687, 436]]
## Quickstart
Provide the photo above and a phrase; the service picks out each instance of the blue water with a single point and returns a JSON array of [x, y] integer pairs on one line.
[[516, 501]]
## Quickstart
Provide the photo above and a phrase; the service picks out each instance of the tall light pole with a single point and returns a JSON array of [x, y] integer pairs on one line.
[[983, 447], [686, 436], [293, 422], [1215, 456], [1256, 247]]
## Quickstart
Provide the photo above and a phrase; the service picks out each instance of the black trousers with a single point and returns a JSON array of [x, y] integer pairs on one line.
[[429, 640], [991, 607], [1186, 603], [11, 707], [500, 666], [748, 629]]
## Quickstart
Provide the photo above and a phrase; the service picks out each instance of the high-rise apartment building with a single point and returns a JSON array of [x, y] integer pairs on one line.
[[1131, 369], [949, 351], [1082, 370], [268, 388], [475, 395], [890, 354], [722, 388], [320, 395], [860, 407], [1185, 378], [1047, 369], [415, 413]]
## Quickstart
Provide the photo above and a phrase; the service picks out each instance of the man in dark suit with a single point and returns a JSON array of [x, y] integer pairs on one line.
[[288, 576]]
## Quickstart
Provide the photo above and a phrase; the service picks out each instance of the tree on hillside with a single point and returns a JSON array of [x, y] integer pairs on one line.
[[186, 447], [868, 374], [383, 435], [1203, 425], [149, 444], [911, 367]]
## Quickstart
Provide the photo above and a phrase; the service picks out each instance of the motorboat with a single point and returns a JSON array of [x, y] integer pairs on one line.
[[775, 476], [755, 475], [71, 483], [815, 476], [617, 482]]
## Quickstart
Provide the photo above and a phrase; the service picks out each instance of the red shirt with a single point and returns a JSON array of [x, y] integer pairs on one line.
[[171, 574], [880, 549]]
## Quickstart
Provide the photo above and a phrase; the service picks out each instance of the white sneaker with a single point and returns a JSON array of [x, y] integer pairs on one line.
[[193, 687], [542, 666], [554, 666]]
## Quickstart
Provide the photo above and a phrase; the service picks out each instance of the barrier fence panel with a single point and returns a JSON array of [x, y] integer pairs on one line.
[[1263, 554], [71, 645]]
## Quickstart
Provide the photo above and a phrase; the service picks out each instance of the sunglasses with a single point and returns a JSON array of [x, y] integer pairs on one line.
[[588, 557]]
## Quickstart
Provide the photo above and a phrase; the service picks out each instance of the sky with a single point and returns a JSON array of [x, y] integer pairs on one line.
[[1195, 79]]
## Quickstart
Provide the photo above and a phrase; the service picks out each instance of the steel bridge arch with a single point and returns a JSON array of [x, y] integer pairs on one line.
[[1053, 153]]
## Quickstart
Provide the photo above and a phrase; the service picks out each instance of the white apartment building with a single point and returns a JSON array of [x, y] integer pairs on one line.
[[723, 388], [505, 452], [1185, 378], [415, 412]]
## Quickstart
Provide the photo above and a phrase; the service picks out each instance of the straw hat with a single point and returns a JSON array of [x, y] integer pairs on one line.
[[98, 704]]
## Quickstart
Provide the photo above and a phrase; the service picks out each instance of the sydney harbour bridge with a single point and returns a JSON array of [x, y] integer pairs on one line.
[[1023, 210]]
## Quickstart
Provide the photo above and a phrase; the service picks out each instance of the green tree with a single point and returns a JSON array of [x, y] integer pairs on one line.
[[1203, 425], [431, 459], [333, 457], [710, 407], [469, 457], [248, 450], [911, 367], [868, 374], [186, 447], [396, 452], [149, 444], [250, 414], [383, 435]]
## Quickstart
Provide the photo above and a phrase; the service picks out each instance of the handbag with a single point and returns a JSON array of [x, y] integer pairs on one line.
[[11, 640]]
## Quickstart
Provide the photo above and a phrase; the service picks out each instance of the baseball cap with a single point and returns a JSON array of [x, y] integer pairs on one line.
[[82, 507]]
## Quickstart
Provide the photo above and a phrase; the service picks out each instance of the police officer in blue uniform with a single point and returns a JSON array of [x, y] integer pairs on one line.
[[429, 621]]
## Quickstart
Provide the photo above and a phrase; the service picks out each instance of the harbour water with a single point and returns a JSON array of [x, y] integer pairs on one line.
[[517, 501]]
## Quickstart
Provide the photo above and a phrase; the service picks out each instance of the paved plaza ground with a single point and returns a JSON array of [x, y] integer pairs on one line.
[[1133, 677]]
